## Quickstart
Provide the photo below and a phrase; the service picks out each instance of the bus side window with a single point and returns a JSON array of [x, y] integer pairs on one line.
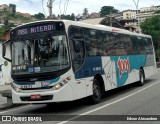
[[93, 42], [77, 47], [149, 46], [127, 44], [135, 46], [118, 44], [110, 45], [106, 46], [87, 40]]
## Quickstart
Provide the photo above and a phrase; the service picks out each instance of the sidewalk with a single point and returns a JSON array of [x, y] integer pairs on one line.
[[5, 96]]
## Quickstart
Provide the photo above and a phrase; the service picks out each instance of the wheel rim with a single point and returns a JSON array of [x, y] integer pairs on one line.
[[142, 79], [96, 91]]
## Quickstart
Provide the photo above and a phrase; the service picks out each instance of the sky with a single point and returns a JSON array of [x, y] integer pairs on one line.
[[75, 6]]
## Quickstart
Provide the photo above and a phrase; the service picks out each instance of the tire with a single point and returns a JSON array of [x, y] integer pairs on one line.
[[97, 94], [141, 77]]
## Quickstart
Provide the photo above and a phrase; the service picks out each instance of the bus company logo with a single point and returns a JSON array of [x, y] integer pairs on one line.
[[123, 65]]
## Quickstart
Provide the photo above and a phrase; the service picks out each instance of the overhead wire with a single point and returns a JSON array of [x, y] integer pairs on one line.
[[66, 6], [43, 8], [60, 7]]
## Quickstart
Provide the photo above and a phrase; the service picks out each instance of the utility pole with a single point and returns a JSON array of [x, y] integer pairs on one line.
[[50, 7], [110, 16], [137, 16]]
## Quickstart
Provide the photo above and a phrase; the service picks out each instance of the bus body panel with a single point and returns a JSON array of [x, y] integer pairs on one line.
[[116, 71]]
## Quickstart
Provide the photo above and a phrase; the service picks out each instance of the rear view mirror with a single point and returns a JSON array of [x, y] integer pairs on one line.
[[6, 47]]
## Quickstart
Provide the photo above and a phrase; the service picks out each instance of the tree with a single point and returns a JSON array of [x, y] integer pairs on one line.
[[2, 29], [6, 23], [12, 8], [151, 26], [68, 17], [106, 10], [157, 12], [39, 16], [85, 13], [72, 17]]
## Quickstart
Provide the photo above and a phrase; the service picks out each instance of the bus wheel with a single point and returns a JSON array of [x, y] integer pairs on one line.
[[141, 77], [97, 95]]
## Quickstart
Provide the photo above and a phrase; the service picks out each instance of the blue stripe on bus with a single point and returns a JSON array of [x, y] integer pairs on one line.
[[91, 67], [54, 80], [24, 83]]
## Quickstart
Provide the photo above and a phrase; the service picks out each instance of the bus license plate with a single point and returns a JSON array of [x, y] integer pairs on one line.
[[36, 96]]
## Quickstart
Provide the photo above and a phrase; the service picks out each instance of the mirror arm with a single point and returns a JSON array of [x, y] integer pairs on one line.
[[4, 51], [7, 59]]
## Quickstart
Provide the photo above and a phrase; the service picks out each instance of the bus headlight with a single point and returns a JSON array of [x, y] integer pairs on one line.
[[61, 84], [17, 89], [57, 86]]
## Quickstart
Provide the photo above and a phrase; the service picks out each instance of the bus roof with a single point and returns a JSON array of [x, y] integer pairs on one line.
[[98, 27]]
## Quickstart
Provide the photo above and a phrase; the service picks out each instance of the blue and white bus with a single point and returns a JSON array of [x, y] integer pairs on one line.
[[61, 60]]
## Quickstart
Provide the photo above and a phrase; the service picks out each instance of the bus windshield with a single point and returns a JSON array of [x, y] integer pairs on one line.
[[40, 55]]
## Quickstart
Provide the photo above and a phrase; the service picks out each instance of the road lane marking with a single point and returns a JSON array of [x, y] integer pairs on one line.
[[106, 105]]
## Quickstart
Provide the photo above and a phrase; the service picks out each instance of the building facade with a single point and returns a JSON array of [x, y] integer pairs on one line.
[[149, 9], [5, 77], [4, 7], [129, 14]]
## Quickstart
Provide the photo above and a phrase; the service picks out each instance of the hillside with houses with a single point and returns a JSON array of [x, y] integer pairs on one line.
[[8, 14], [9, 18]]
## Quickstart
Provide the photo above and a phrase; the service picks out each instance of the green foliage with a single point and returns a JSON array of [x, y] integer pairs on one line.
[[2, 29], [12, 8], [39, 16], [68, 17], [19, 17], [151, 26], [85, 13], [72, 17], [11, 16], [157, 12], [106, 10]]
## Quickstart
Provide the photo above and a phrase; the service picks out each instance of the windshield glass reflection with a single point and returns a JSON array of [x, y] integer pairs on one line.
[[40, 55]]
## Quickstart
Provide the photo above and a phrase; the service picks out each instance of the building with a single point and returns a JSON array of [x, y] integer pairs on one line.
[[143, 13], [4, 7], [149, 9], [129, 19], [147, 12], [15, 22], [129, 14], [27, 15], [94, 15], [5, 77]]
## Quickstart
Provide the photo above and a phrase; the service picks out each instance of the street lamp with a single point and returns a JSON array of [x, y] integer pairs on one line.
[[136, 4]]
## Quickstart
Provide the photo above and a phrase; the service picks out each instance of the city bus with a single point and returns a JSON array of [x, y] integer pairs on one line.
[[62, 60]]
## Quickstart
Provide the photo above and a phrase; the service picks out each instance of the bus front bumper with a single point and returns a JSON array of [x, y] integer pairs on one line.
[[45, 96]]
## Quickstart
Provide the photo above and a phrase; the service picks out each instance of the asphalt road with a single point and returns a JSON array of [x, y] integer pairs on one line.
[[116, 105]]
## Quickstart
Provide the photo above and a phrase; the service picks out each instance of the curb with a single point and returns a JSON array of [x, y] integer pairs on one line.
[[9, 104]]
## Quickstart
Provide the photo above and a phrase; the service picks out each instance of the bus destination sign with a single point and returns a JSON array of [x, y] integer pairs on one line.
[[36, 29]]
